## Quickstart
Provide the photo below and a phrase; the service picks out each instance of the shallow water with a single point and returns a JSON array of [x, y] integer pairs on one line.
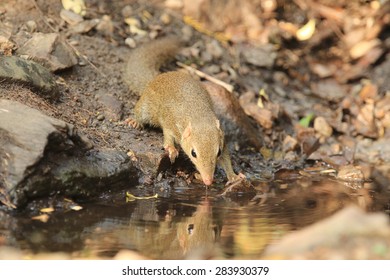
[[188, 222]]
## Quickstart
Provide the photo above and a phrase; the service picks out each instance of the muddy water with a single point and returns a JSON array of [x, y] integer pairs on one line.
[[188, 222]]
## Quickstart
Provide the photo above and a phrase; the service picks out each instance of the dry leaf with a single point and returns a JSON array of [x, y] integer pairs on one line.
[[47, 210], [361, 48], [135, 26], [289, 144], [174, 4], [77, 6], [369, 91], [322, 127], [76, 208], [306, 31], [42, 218], [262, 94], [131, 197]]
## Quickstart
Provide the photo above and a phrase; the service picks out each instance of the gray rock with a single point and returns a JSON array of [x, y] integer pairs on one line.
[[84, 26], [50, 50], [71, 17], [112, 105], [29, 72], [329, 89], [40, 155], [25, 133], [263, 56], [349, 223]]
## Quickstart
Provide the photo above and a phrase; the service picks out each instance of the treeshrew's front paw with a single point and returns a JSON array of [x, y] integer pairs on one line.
[[133, 123], [172, 153], [235, 178]]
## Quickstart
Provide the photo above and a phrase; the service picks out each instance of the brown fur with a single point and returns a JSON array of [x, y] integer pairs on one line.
[[180, 106]]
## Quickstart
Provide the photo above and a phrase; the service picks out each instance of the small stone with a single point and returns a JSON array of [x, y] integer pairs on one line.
[[127, 11], [105, 25], [214, 49], [262, 56], [174, 4], [50, 50], [31, 26], [329, 89], [70, 17], [153, 34], [100, 117], [130, 42], [85, 26], [165, 18]]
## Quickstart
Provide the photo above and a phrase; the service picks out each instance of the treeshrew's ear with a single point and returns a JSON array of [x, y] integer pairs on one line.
[[187, 131]]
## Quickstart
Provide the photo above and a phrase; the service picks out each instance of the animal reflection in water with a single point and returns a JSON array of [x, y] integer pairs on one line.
[[198, 233], [176, 237]]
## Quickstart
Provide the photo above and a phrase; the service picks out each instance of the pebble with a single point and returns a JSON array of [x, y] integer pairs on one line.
[[130, 42], [165, 18], [70, 17], [31, 26], [127, 11]]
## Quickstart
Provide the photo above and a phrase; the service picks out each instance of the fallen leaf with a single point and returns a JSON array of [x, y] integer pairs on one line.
[[77, 6], [131, 197], [369, 91], [322, 127], [262, 95], [307, 139], [289, 143], [266, 153], [306, 32], [305, 121], [76, 208], [42, 218], [263, 116], [47, 210], [323, 71], [174, 4], [361, 48]]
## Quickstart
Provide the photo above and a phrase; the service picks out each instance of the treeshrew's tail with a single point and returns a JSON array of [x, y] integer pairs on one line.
[[145, 61]]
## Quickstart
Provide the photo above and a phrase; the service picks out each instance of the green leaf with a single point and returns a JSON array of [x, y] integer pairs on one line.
[[305, 121]]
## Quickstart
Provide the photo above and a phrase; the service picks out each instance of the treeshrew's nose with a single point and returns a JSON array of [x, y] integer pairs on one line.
[[208, 181]]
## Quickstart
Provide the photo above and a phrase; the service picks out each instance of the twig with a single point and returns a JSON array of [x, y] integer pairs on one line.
[[86, 59], [201, 74], [43, 16]]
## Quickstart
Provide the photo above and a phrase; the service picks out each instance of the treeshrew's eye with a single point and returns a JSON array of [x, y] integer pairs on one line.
[[193, 153]]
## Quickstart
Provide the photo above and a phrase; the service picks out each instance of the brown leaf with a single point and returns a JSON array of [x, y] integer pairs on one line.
[[289, 143], [307, 139], [262, 116], [369, 91], [361, 48], [322, 127], [365, 121]]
